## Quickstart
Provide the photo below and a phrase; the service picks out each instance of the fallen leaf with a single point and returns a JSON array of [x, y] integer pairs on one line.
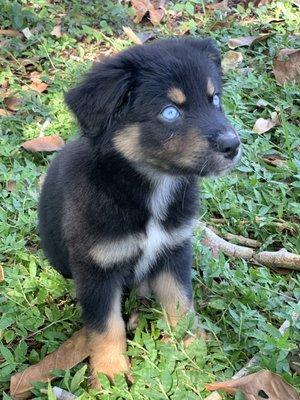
[[145, 36], [264, 125], [10, 32], [274, 159], [35, 77], [231, 59], [260, 3], [69, 354], [56, 31], [1, 274], [10, 186], [286, 66], [142, 7], [44, 143], [12, 103], [222, 5], [3, 113], [247, 40], [131, 35], [38, 86], [261, 385]]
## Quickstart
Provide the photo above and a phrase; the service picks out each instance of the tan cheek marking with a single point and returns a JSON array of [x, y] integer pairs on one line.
[[186, 148], [108, 349], [171, 296], [176, 95], [210, 87], [127, 142]]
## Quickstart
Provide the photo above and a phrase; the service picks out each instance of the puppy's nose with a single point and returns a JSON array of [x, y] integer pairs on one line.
[[228, 143]]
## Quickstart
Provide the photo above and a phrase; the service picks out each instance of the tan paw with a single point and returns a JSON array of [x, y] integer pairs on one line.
[[110, 367]]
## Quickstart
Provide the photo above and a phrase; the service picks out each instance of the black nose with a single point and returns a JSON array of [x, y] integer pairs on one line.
[[228, 143]]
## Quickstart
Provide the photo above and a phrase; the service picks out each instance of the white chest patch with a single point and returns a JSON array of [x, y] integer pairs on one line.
[[157, 241], [154, 241]]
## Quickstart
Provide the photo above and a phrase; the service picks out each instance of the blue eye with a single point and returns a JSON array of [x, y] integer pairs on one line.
[[170, 113], [216, 100]]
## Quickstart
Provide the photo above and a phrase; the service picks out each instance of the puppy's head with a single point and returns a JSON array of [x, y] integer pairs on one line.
[[159, 107]]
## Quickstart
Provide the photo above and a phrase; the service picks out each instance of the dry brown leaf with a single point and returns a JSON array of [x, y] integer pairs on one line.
[[142, 7], [10, 32], [1, 274], [131, 35], [222, 5], [56, 31], [69, 354], [264, 125], [3, 113], [231, 59], [10, 186], [247, 40], [286, 66], [12, 103], [44, 143], [261, 385], [38, 86], [274, 159]]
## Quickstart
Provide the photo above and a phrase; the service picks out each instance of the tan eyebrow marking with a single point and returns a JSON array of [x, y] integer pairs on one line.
[[176, 95], [210, 87]]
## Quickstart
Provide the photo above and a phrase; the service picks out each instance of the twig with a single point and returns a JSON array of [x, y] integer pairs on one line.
[[61, 394], [11, 32], [281, 258], [255, 359], [238, 238]]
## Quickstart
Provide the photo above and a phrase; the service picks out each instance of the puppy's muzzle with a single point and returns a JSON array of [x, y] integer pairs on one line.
[[228, 143]]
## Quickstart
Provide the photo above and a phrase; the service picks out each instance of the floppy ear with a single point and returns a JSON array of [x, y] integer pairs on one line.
[[99, 100]]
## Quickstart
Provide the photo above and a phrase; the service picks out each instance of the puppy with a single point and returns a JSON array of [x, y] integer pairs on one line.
[[119, 203]]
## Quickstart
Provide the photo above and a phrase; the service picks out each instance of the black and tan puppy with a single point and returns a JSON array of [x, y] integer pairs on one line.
[[119, 203]]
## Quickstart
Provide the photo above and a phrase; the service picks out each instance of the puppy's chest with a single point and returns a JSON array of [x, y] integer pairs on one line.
[[159, 237], [160, 234]]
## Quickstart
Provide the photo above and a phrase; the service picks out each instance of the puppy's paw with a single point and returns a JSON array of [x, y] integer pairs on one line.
[[133, 321], [110, 366]]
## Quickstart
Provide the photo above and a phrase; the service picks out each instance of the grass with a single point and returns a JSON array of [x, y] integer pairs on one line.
[[241, 305]]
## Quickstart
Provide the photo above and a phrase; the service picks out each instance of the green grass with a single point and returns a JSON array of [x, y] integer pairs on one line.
[[240, 305]]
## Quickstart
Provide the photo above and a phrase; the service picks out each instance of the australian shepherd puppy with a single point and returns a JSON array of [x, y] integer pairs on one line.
[[119, 203]]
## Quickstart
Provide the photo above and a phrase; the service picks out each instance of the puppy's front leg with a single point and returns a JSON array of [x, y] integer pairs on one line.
[[172, 284], [99, 294]]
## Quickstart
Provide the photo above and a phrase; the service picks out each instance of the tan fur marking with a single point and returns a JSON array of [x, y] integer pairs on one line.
[[176, 95], [210, 87], [171, 296], [127, 142], [185, 149], [108, 349]]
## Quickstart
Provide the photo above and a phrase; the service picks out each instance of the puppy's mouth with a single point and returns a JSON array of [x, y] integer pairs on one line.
[[219, 165]]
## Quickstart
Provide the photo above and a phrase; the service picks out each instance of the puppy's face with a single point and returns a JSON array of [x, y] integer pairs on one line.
[[163, 108]]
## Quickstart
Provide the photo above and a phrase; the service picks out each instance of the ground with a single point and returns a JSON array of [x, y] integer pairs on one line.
[[240, 305]]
